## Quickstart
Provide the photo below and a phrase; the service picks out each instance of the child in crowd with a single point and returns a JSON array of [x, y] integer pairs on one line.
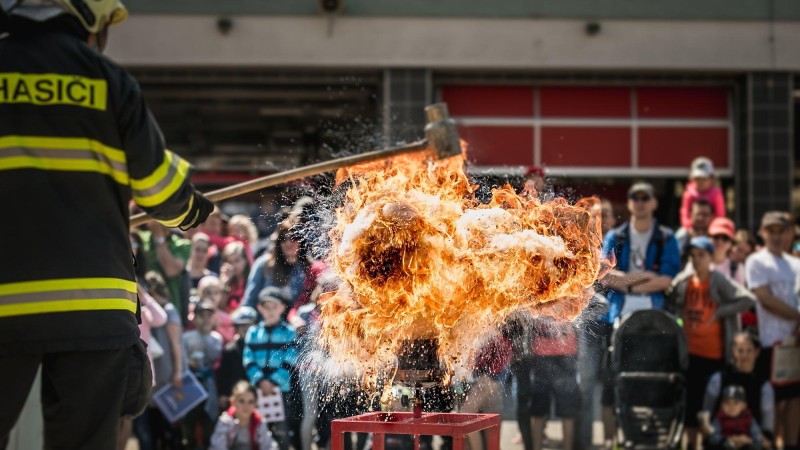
[[733, 427], [241, 427], [197, 265], [202, 347], [231, 368], [708, 302], [702, 184], [270, 354], [744, 245], [242, 228], [233, 273], [153, 316], [211, 289], [152, 429]]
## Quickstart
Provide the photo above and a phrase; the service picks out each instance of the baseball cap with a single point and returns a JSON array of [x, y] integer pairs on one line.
[[734, 391], [781, 218], [273, 294], [722, 225], [701, 167], [642, 187], [244, 315], [702, 242]]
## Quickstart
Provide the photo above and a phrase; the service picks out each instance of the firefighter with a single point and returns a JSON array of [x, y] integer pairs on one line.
[[77, 143]]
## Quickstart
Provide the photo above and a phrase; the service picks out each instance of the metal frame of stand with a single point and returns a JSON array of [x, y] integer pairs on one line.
[[456, 425]]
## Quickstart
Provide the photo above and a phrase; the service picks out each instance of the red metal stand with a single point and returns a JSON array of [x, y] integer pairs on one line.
[[436, 424]]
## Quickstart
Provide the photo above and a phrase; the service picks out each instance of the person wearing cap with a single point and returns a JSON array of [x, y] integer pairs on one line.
[[270, 357], [77, 144], [722, 232], [647, 258], [203, 348], [708, 302], [733, 427], [772, 275], [231, 367], [702, 185]]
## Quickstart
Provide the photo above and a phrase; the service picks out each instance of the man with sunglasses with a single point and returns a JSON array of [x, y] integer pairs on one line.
[[647, 258]]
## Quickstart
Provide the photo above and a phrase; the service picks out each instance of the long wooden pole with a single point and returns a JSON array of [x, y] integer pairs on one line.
[[298, 173]]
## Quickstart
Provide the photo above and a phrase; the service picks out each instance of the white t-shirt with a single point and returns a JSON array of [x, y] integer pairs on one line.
[[780, 273], [637, 257], [638, 249]]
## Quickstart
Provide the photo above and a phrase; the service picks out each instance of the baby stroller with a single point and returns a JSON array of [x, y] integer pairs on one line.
[[649, 360]]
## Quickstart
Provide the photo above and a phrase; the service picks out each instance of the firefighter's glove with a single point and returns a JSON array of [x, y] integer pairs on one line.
[[201, 208]]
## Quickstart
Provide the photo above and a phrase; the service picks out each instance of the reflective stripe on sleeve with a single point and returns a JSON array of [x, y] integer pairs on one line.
[[179, 220], [62, 153], [65, 295], [157, 187]]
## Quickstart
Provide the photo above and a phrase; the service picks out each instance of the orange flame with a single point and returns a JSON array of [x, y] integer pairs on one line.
[[421, 258]]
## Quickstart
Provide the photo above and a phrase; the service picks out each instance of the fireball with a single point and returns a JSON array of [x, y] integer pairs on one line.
[[421, 258]]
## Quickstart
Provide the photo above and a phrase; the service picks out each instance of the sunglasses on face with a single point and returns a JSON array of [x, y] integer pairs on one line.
[[640, 198], [721, 237]]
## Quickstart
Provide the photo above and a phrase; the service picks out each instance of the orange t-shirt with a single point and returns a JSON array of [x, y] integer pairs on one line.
[[703, 332]]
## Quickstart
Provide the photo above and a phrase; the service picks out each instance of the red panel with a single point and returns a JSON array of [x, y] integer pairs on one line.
[[586, 147], [675, 103], [499, 146], [585, 102], [677, 147], [489, 101]]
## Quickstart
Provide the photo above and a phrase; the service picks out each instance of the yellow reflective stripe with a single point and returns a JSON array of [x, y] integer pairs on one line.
[[148, 182], [66, 284], [43, 89], [94, 304], [99, 158], [65, 143], [30, 162], [157, 187], [179, 220]]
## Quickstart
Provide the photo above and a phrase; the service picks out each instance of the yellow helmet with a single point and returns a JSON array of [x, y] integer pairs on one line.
[[95, 14]]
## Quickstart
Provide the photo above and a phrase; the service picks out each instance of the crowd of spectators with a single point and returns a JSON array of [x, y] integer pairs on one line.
[[735, 295], [230, 303]]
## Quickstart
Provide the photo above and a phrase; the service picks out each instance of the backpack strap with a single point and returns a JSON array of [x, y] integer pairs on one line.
[[622, 234], [660, 236]]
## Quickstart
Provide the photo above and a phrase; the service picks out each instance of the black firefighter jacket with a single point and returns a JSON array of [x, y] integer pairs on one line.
[[77, 143]]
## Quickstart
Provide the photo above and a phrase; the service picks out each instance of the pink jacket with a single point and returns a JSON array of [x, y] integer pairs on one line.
[[153, 316], [691, 194]]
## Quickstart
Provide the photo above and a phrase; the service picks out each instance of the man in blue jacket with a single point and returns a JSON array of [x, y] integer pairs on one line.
[[647, 258]]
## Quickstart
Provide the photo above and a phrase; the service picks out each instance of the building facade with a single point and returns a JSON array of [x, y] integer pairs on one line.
[[598, 92]]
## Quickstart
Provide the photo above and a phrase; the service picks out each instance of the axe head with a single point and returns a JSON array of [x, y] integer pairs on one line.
[[441, 131]]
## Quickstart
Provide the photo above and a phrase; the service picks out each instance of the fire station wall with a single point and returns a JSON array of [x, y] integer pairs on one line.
[[467, 43]]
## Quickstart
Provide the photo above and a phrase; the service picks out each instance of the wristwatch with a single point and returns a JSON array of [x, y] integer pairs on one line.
[[159, 240]]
